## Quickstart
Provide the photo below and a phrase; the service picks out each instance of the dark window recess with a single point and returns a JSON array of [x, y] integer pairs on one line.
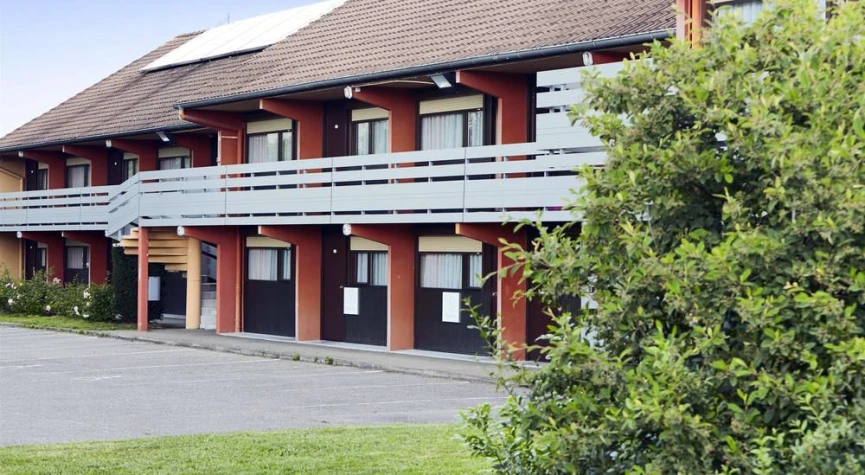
[[130, 168], [268, 148], [368, 137], [42, 179]]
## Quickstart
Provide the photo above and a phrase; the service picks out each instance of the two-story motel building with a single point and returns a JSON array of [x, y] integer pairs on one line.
[[338, 171]]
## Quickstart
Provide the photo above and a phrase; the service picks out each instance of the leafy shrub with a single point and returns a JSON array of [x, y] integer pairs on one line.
[[730, 279], [40, 296]]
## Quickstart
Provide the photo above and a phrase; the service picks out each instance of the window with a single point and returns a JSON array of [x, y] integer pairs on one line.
[[41, 258], [369, 268], [451, 270], [174, 163], [76, 257], [370, 137], [263, 264], [748, 10], [130, 168], [452, 130], [77, 176], [286, 264], [270, 147], [42, 179]]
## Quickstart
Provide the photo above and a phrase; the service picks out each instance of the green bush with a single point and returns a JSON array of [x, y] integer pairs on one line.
[[730, 279], [40, 296], [124, 280]]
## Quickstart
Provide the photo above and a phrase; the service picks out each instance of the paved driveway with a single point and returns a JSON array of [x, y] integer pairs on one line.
[[59, 387]]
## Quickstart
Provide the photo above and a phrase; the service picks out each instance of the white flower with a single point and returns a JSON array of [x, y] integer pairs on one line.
[[118, 317], [86, 294], [86, 315], [48, 308], [87, 304], [10, 302], [75, 309]]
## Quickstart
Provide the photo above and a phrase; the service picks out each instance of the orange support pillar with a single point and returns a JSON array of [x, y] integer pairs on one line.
[[401, 244], [98, 253], [402, 114], [309, 123], [56, 162], [230, 129], [56, 254], [229, 263], [143, 278], [691, 19], [512, 312], [198, 145], [512, 92], [146, 150], [307, 254], [98, 157]]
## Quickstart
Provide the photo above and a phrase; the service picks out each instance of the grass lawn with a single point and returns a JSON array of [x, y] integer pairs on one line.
[[63, 323], [415, 449]]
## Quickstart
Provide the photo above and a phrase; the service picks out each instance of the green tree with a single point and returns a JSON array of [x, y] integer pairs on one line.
[[730, 277]]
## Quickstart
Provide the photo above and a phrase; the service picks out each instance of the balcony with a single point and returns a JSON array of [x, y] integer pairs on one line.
[[68, 209], [477, 184]]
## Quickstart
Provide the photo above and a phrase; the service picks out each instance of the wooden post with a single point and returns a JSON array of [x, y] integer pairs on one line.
[[143, 277], [193, 284]]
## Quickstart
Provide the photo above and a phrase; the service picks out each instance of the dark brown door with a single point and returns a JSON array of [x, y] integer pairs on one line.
[[336, 124], [31, 181], [333, 279], [115, 166]]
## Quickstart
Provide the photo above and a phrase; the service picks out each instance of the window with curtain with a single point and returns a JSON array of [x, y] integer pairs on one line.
[[263, 264], [748, 10], [270, 147], [174, 163], [286, 264], [41, 258], [452, 130], [379, 269], [76, 257], [370, 137], [130, 168], [77, 176], [441, 271], [42, 179], [476, 270], [361, 274]]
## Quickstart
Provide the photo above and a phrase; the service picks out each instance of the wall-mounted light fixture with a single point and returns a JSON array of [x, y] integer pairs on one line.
[[588, 59], [181, 231], [346, 229], [163, 136], [441, 81]]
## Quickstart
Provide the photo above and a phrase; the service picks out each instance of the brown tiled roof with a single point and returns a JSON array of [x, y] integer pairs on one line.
[[360, 37]]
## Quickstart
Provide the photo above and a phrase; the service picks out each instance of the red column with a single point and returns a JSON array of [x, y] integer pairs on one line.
[[512, 92], [307, 254], [228, 272], [147, 151], [308, 117], [143, 277], [690, 19], [56, 254], [198, 145], [512, 313], [56, 162], [98, 157], [230, 129], [401, 243], [402, 112], [98, 253]]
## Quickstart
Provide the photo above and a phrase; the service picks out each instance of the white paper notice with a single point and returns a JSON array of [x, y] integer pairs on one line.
[[350, 301], [451, 307]]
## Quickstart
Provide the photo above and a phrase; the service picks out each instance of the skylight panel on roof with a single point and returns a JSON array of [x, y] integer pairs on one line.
[[242, 36]]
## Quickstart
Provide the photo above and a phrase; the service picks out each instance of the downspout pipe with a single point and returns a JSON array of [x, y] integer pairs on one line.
[[438, 68]]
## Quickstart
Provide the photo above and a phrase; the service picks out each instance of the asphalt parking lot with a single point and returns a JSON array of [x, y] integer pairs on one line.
[[59, 387]]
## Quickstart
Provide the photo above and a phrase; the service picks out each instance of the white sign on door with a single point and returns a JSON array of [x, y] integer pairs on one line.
[[451, 307], [350, 301]]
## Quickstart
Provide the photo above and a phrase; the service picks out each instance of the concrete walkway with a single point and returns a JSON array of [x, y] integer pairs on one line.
[[343, 354]]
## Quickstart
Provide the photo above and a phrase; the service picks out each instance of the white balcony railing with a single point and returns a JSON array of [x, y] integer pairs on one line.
[[478, 184], [55, 210]]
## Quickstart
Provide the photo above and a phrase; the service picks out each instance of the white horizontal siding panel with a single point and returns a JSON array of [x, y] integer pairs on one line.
[[557, 126], [178, 204], [278, 201], [560, 98], [401, 196], [520, 192]]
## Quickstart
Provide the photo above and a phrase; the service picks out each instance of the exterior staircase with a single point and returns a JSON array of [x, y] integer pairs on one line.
[[166, 247], [208, 306]]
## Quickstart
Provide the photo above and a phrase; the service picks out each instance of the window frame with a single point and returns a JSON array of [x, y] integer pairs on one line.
[[280, 145], [41, 179], [185, 162], [85, 261], [86, 167], [280, 264], [370, 134], [125, 168], [465, 278], [352, 268], [465, 132]]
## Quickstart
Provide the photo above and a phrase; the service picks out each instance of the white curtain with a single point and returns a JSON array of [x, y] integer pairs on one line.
[[130, 168], [441, 271], [442, 131], [75, 257], [286, 264], [476, 128], [476, 270], [379, 268], [264, 148], [263, 264], [379, 132], [361, 138], [287, 145], [748, 10], [173, 163], [78, 176], [362, 275]]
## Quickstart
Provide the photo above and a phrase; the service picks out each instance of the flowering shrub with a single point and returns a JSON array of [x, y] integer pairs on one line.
[[40, 296]]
